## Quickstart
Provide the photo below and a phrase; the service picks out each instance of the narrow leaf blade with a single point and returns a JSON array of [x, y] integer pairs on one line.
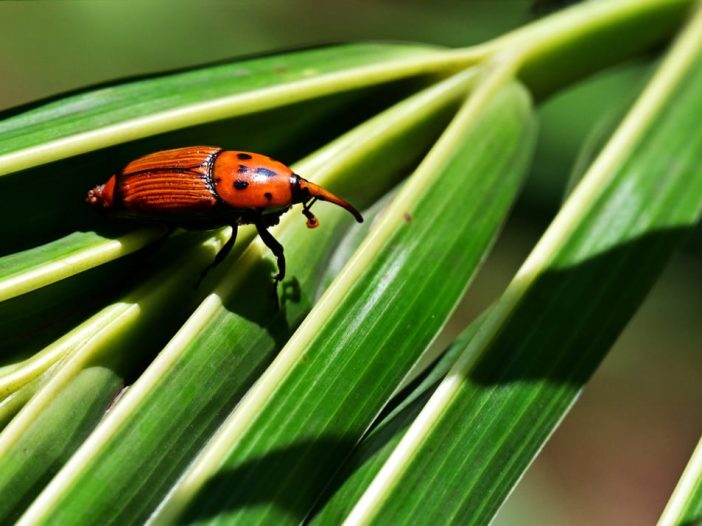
[[314, 402], [101, 118], [171, 412], [685, 504], [538, 346]]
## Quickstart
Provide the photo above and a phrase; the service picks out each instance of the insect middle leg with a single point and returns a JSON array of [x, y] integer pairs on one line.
[[223, 253]]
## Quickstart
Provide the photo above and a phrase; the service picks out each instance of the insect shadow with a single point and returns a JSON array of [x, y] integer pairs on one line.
[[257, 300]]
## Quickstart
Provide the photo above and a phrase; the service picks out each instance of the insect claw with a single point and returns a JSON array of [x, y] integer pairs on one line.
[[312, 221]]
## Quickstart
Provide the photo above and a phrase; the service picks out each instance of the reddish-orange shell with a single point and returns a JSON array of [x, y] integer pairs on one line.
[[252, 180], [168, 181], [204, 186]]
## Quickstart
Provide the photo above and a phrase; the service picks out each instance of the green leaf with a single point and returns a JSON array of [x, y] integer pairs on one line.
[[561, 49], [31, 321], [94, 362], [597, 139], [575, 293], [685, 505], [175, 406], [11, 405], [38, 267], [368, 458], [53, 436], [274, 448], [281, 445], [139, 109]]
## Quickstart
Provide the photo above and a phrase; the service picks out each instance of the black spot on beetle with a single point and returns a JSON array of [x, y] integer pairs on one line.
[[217, 180], [240, 185], [266, 172], [243, 156], [268, 195], [243, 169]]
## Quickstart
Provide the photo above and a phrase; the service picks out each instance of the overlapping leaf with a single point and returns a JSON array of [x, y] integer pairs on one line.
[[285, 439], [278, 448], [168, 414], [685, 504], [97, 358], [113, 115], [532, 354]]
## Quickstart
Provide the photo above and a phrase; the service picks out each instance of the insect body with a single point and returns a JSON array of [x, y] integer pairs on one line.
[[203, 187]]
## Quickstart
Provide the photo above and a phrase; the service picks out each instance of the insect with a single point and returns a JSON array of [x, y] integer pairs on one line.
[[204, 187]]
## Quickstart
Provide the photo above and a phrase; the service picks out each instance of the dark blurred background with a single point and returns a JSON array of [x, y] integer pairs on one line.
[[618, 454]]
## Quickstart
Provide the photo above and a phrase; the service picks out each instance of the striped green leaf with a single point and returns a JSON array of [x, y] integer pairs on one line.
[[339, 369], [74, 379], [171, 412], [38, 267], [685, 504], [358, 471], [572, 297], [244, 417], [113, 115]]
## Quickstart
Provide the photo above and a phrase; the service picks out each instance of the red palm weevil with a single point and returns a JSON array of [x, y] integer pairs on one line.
[[204, 187]]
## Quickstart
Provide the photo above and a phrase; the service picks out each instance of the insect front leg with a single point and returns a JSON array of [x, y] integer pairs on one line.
[[275, 247]]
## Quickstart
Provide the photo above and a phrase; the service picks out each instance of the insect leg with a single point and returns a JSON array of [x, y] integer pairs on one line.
[[275, 247], [223, 253]]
